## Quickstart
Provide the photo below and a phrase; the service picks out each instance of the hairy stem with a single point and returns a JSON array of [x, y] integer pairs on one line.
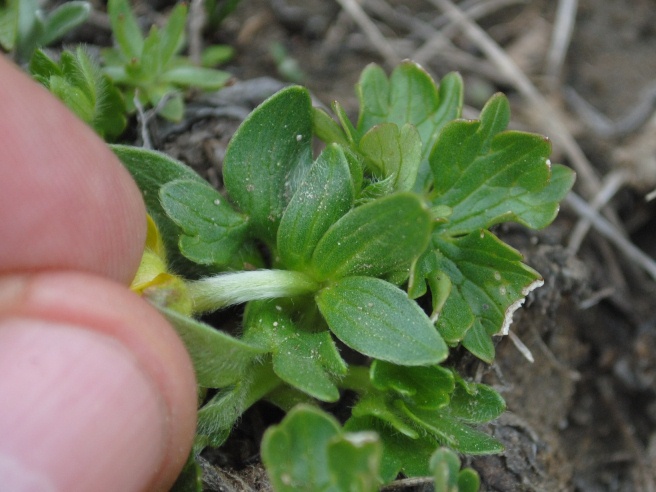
[[226, 289]]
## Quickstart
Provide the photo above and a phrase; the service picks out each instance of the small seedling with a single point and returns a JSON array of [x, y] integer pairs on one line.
[[25, 27], [447, 474], [78, 82], [381, 244], [149, 68], [309, 451]]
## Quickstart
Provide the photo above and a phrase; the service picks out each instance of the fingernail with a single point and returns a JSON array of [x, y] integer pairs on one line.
[[76, 413]]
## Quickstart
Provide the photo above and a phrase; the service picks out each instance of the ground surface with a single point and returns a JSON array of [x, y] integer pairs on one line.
[[583, 415]]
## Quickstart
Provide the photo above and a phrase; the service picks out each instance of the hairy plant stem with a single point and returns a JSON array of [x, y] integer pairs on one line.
[[226, 289]]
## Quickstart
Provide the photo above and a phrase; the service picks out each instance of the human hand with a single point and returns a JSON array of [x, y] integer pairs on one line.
[[96, 390]]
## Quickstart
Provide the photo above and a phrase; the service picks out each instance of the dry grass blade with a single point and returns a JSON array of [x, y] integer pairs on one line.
[[612, 183], [562, 34], [610, 232], [378, 40]]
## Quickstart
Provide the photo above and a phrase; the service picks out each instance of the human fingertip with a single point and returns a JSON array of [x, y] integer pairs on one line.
[[78, 411]]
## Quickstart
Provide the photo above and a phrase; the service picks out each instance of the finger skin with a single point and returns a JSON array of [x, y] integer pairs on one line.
[[66, 201], [106, 308], [72, 224]]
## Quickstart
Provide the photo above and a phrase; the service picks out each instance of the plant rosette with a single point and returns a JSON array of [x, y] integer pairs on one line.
[[381, 244]]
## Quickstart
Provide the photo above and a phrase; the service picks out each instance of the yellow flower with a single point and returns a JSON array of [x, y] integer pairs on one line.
[[154, 282]]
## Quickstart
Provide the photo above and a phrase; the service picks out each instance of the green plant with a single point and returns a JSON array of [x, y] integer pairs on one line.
[[382, 243], [25, 27], [309, 451], [78, 81], [447, 474], [149, 68]]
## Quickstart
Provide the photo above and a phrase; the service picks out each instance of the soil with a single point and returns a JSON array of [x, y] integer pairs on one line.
[[582, 416]]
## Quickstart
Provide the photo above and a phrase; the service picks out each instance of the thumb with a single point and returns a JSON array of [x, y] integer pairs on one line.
[[97, 390]]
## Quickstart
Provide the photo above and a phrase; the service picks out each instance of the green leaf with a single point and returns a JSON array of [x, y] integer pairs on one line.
[[327, 129], [393, 152], [374, 239], [200, 77], [400, 452], [489, 283], [379, 320], [409, 96], [452, 432], [475, 403], [9, 24], [488, 176], [378, 404], [151, 170], [303, 357], [79, 82], [150, 64], [309, 452], [320, 200], [426, 387], [212, 230], [172, 35], [268, 156], [217, 417], [42, 67], [125, 29], [295, 452], [63, 19], [173, 108], [219, 359], [445, 466], [217, 54], [354, 459]]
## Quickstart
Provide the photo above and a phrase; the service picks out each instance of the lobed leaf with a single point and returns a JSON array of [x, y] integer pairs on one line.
[[489, 283], [409, 96], [376, 238], [453, 432], [309, 452], [354, 459], [380, 321], [212, 231], [303, 357], [475, 403], [401, 453], [320, 200], [151, 170], [447, 474], [427, 387], [488, 176], [268, 156]]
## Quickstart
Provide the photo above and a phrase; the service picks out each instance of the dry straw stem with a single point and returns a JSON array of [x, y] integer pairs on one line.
[[612, 233], [370, 29], [562, 34]]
